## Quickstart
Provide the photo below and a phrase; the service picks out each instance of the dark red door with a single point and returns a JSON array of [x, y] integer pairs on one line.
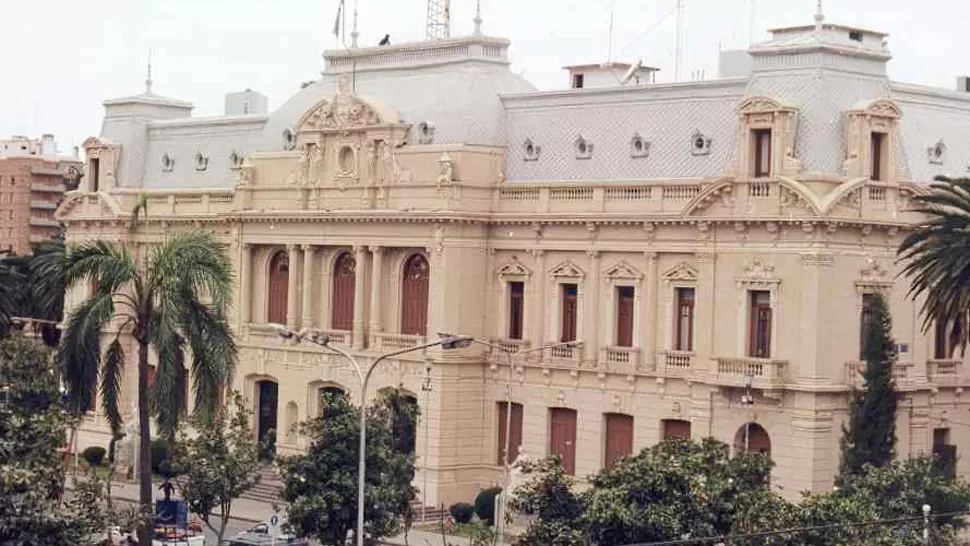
[[414, 296], [279, 270], [624, 316], [516, 432], [619, 437], [344, 285], [562, 437]]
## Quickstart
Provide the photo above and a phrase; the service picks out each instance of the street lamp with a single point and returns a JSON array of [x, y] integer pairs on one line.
[[322, 339], [508, 411], [747, 399]]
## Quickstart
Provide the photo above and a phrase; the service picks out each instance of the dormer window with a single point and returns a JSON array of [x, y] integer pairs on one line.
[[877, 156], [936, 153], [235, 160], [767, 129], [855, 35], [168, 163], [761, 164], [700, 144], [530, 150], [869, 139], [577, 81], [201, 161], [638, 146], [584, 148], [425, 132], [289, 140]]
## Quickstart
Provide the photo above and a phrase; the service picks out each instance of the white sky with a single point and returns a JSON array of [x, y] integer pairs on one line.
[[61, 58]]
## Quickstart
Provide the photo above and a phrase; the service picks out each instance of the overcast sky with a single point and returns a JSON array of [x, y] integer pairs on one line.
[[62, 58]]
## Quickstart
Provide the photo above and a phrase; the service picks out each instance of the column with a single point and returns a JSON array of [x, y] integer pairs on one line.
[[591, 309], [704, 335], [376, 288], [292, 286], [650, 287], [307, 313], [360, 295], [245, 285], [539, 317]]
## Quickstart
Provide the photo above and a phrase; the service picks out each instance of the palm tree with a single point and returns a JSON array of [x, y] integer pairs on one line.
[[175, 303], [13, 284], [937, 257], [46, 269]]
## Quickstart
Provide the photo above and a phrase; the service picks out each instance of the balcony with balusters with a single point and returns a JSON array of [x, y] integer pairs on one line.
[[673, 363], [764, 373], [620, 359], [902, 373]]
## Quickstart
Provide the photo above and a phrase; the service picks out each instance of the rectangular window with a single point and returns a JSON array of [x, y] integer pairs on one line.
[[864, 319], [945, 339], [684, 335], [759, 345], [95, 173], [577, 81], [676, 428], [568, 313], [876, 152], [762, 152], [624, 316], [516, 308], [515, 429]]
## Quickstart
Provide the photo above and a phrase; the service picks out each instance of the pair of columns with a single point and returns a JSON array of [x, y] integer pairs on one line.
[[299, 304]]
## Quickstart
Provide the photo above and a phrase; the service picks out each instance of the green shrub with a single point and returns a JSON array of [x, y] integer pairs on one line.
[[160, 451], [462, 512], [94, 455], [485, 504]]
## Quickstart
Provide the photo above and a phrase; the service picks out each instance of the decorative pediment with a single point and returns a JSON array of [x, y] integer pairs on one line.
[[761, 105], [758, 273], [567, 269], [873, 277], [884, 108], [623, 270], [343, 111], [514, 268], [681, 272]]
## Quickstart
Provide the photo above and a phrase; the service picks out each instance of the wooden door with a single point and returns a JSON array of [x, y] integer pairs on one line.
[[344, 287], [619, 437], [266, 417], [279, 270], [569, 312], [515, 440], [624, 316], [676, 428], [414, 296], [562, 437]]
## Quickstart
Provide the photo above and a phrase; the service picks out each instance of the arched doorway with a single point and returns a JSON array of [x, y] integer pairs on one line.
[[414, 296], [753, 438], [342, 298], [267, 397], [277, 288]]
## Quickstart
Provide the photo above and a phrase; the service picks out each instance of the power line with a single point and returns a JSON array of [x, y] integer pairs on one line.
[[794, 530], [650, 29]]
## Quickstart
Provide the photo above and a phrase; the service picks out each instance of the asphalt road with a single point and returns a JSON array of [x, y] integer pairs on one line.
[[234, 528]]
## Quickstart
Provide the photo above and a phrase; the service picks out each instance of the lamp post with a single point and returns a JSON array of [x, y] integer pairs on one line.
[[508, 411], [323, 340], [747, 399]]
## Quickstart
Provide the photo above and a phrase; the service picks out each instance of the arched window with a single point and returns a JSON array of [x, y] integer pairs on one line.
[[414, 296], [753, 438], [328, 391], [279, 270], [344, 284]]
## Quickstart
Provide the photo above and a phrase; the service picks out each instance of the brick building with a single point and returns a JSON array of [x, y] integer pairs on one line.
[[33, 179]]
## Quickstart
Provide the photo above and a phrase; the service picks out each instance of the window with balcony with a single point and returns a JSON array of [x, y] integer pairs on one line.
[[759, 344], [624, 316], [761, 141], [279, 270], [513, 427], [344, 287], [516, 308], [684, 332], [95, 173], [877, 168], [569, 309]]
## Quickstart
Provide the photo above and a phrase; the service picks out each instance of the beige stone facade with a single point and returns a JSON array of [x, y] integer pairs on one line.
[[685, 294]]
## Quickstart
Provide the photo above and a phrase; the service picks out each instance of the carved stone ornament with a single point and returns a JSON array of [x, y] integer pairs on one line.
[[567, 269], [622, 270], [873, 277], [514, 268], [398, 174], [758, 272], [446, 169], [344, 111], [681, 272], [792, 200]]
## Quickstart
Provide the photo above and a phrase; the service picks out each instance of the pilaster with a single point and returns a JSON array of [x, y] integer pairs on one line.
[[705, 306], [245, 288], [360, 287], [376, 288], [811, 357], [307, 303], [292, 286], [591, 310], [649, 327]]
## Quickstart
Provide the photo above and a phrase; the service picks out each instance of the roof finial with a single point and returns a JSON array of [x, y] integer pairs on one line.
[[148, 80], [819, 16], [478, 18], [354, 34]]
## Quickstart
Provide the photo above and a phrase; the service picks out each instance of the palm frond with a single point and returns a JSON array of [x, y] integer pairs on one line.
[[13, 287], [213, 354], [111, 375], [109, 266], [196, 263], [79, 353], [936, 257], [168, 396], [47, 268], [140, 209]]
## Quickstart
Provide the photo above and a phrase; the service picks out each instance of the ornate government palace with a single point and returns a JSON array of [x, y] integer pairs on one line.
[[711, 246]]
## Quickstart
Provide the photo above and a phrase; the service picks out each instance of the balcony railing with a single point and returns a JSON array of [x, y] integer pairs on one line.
[[854, 369], [54, 188], [509, 346], [567, 354], [42, 205], [621, 358], [44, 222], [338, 337], [943, 371], [764, 372], [384, 342], [676, 363]]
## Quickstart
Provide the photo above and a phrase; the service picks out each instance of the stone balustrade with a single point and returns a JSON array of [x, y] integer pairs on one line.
[[675, 363], [620, 359], [764, 372]]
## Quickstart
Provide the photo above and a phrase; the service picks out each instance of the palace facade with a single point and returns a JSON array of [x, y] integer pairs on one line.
[[710, 246]]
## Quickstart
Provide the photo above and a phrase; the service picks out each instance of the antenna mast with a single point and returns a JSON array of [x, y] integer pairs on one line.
[[439, 19], [678, 50]]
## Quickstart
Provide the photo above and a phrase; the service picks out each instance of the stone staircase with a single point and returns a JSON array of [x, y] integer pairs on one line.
[[270, 485]]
